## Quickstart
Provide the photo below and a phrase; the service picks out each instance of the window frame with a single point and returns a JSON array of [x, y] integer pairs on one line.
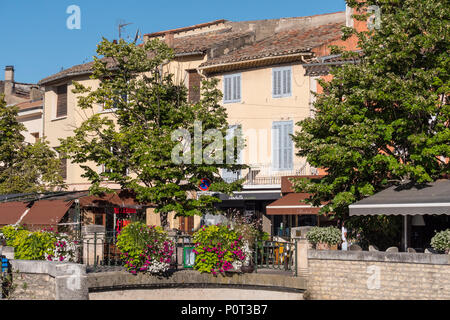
[[291, 147], [58, 94], [282, 86], [232, 76]]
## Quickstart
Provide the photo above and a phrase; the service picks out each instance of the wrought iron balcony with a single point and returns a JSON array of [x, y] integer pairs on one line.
[[265, 174]]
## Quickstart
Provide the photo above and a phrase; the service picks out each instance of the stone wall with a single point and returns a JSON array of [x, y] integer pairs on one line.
[[33, 286], [45, 280], [377, 275], [248, 286]]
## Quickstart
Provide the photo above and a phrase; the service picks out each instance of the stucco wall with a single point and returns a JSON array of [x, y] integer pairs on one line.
[[377, 275], [258, 109]]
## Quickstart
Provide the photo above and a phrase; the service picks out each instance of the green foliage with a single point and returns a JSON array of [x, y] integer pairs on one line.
[[29, 245], [38, 245], [9, 233], [217, 247], [24, 168], [441, 241], [134, 140], [385, 119], [33, 245], [381, 231], [145, 248], [328, 235]]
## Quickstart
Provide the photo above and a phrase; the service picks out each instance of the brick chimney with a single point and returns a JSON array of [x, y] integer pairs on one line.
[[168, 38]]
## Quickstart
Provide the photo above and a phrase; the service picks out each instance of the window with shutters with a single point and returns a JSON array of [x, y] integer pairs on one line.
[[61, 104], [187, 224], [282, 145], [282, 82], [194, 86], [232, 88]]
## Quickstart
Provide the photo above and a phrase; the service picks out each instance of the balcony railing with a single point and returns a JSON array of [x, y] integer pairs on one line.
[[265, 174]]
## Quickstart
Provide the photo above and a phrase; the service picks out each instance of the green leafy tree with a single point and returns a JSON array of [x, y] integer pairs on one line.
[[24, 167], [135, 141], [385, 119]]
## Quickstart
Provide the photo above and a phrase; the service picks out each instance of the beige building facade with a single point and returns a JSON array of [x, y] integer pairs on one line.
[[260, 68]]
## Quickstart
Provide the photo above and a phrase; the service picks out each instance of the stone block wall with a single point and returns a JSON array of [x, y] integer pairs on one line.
[[377, 276], [46, 280], [29, 286]]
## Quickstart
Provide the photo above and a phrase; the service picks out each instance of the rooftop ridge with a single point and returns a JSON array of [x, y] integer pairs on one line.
[[182, 29]]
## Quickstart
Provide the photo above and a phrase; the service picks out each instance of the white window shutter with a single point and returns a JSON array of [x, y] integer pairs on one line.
[[287, 81], [235, 89], [232, 88], [276, 82], [238, 87], [282, 145], [289, 145], [276, 146]]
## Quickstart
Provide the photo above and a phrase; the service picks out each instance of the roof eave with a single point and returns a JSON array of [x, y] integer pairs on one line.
[[250, 63]]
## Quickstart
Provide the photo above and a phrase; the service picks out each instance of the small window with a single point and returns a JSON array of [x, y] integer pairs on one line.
[[232, 88], [282, 82], [195, 80], [61, 104]]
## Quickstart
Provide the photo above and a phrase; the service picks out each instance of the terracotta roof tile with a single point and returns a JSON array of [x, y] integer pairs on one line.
[[204, 41], [282, 43], [80, 69], [321, 65], [30, 104]]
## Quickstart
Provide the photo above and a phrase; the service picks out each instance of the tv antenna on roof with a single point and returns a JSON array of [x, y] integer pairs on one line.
[[136, 37], [121, 26]]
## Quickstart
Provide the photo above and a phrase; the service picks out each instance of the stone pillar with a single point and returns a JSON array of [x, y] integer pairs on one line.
[[302, 257], [8, 252], [93, 243], [71, 282]]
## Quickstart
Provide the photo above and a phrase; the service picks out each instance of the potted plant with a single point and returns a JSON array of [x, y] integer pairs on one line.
[[441, 241], [324, 238]]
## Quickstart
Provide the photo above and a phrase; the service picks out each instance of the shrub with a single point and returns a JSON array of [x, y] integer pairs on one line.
[[38, 245], [441, 241], [9, 233], [328, 235], [219, 248], [33, 245], [145, 248]]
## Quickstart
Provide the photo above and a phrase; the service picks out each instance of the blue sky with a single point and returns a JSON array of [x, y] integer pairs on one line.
[[35, 38]]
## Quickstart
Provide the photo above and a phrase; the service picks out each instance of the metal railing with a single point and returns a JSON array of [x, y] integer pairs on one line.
[[99, 251], [265, 174], [276, 255]]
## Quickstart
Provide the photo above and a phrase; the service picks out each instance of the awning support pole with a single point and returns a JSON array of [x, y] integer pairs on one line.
[[405, 233]]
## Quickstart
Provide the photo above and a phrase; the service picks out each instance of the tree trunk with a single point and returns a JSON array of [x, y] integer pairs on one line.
[[164, 220]]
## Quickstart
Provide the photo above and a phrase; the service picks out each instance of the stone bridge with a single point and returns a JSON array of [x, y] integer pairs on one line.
[[43, 280], [192, 285]]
